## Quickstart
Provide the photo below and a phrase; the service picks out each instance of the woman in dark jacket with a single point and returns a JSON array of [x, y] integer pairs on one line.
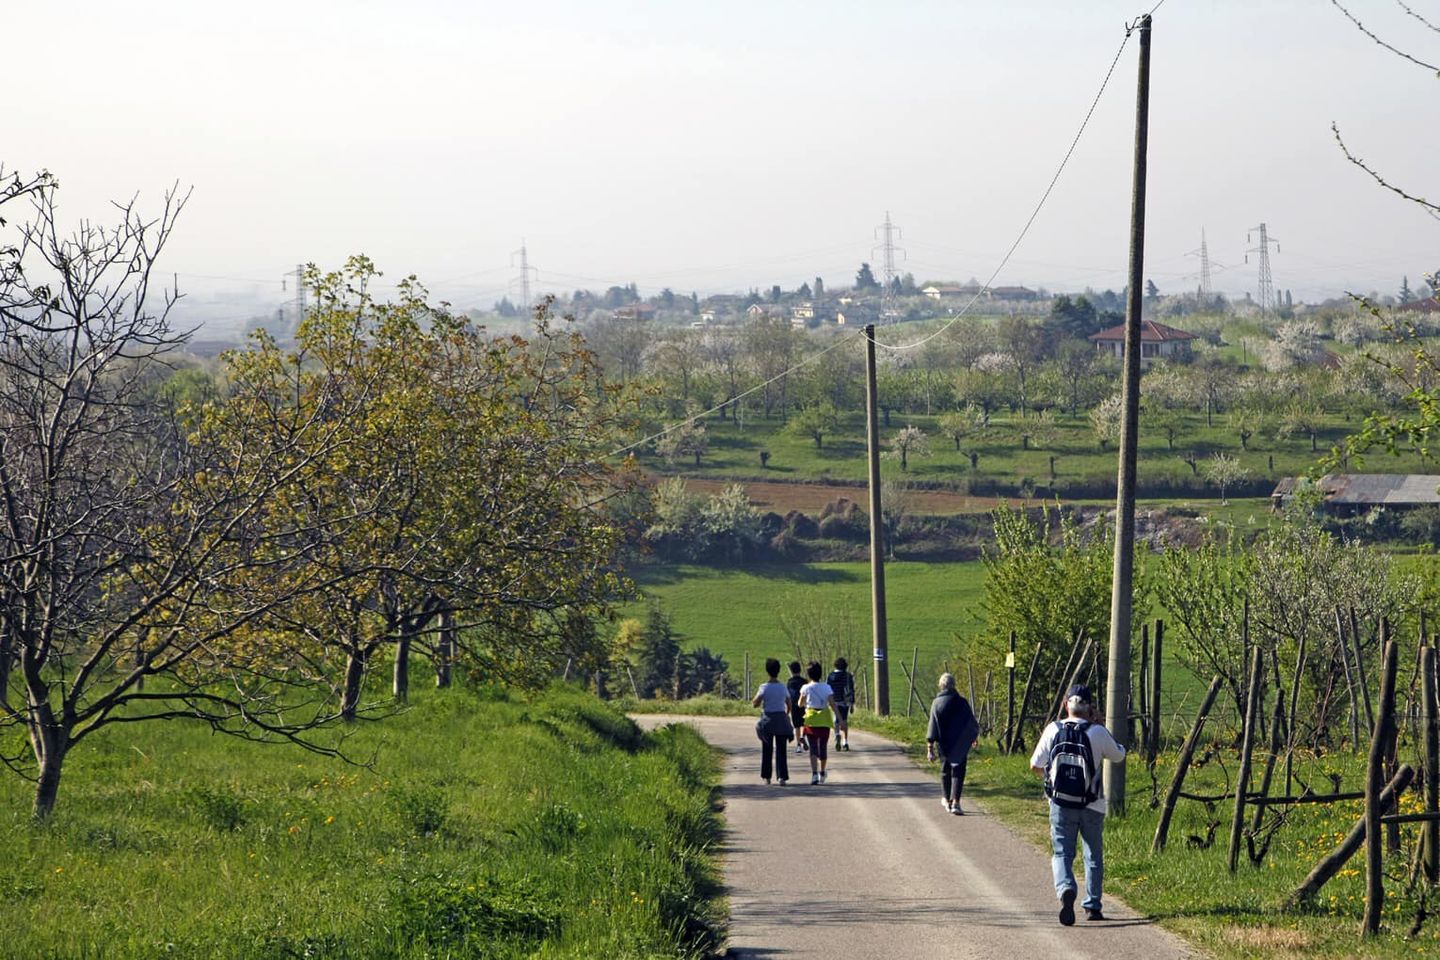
[[773, 728], [952, 731]]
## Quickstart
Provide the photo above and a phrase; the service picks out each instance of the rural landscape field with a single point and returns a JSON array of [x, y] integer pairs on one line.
[[581, 480]]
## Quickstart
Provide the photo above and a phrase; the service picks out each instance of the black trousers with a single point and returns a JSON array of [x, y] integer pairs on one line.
[[774, 756], [952, 779]]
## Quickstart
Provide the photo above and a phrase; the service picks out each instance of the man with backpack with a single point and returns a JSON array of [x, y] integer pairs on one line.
[[1068, 756], [842, 681]]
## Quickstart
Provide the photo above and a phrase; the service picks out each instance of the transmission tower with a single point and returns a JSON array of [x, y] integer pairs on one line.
[[523, 281], [296, 276], [1266, 284], [887, 233]]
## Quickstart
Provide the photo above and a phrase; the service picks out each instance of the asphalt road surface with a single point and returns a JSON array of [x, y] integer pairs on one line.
[[869, 865]]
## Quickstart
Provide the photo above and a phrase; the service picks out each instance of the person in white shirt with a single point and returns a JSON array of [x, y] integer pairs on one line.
[[1068, 756], [817, 697]]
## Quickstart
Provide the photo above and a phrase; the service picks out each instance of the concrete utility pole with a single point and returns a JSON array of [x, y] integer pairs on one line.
[[1117, 696], [877, 534]]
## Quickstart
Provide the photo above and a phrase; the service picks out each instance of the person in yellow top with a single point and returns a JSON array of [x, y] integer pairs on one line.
[[817, 697]]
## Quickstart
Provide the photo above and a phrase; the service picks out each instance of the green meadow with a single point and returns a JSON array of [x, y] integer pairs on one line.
[[489, 825]]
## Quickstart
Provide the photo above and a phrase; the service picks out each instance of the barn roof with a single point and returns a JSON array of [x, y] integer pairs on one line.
[[1368, 489]]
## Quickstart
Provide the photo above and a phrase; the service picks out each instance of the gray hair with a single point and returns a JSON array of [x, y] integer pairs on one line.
[[947, 681]]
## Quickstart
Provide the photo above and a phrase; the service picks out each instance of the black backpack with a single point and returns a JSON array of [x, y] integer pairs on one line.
[[843, 683], [1070, 777]]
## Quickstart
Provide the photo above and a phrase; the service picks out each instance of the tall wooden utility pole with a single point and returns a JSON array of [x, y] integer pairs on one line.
[[877, 534], [1117, 699]]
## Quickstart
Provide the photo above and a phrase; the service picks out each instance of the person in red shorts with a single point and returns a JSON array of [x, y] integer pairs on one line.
[[817, 697]]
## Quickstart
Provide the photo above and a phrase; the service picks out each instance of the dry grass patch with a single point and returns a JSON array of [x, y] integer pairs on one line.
[[1271, 941]]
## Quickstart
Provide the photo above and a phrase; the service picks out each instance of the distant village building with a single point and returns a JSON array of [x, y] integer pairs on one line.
[[1157, 342], [803, 311], [635, 311]]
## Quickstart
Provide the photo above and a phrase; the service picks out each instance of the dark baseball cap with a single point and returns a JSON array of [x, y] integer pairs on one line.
[[1079, 692]]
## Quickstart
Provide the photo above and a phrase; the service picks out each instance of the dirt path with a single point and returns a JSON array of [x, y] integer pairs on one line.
[[868, 865]]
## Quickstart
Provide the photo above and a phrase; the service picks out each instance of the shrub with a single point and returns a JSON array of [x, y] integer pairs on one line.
[[218, 808], [421, 809]]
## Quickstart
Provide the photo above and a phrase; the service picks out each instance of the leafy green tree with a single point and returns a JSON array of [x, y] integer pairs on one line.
[[815, 422], [967, 422], [659, 657], [865, 278], [1203, 590]]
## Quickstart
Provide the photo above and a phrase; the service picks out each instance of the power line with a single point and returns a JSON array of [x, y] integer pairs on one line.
[[955, 318]]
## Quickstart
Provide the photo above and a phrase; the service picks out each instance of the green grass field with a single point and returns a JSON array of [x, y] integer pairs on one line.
[[735, 611], [494, 826], [735, 451]]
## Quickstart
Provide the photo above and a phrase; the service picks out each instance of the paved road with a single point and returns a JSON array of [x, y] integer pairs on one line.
[[869, 865]]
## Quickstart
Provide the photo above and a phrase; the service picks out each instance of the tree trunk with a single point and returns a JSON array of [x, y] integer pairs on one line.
[[445, 650], [354, 678], [401, 684], [50, 742]]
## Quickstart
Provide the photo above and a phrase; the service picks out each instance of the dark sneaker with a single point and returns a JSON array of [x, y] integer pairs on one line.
[[1093, 914], [1067, 908]]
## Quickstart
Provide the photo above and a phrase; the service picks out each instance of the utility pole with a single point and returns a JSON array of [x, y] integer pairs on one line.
[[1117, 696], [886, 233], [1266, 284], [877, 534]]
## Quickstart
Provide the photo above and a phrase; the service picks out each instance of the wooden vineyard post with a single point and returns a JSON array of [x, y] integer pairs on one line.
[[914, 661], [1157, 660], [1374, 781], [1360, 675], [1010, 696], [1167, 809], [1059, 700], [1291, 732], [1017, 739], [1349, 684], [1331, 863], [747, 672], [1144, 687], [1431, 740], [970, 685], [1277, 726], [1247, 748]]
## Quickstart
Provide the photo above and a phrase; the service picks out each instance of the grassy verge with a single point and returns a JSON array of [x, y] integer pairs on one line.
[[490, 826], [1187, 887]]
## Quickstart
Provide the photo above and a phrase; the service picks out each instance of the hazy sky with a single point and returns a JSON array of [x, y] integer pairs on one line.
[[719, 146]]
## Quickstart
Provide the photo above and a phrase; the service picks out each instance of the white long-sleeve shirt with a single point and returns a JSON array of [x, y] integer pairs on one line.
[[1102, 747]]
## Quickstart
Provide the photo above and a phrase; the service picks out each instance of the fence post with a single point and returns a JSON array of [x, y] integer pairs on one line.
[[1291, 733], [1017, 739], [914, 660], [1144, 689], [1010, 696], [1429, 709], [1157, 663], [1374, 782], [1247, 747], [1167, 809]]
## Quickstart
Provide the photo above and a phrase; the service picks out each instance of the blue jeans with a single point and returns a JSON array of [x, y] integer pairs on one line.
[[1066, 827]]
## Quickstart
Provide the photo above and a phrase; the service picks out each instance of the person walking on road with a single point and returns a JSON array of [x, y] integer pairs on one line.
[[1068, 756], [842, 681], [797, 712], [952, 732], [817, 697], [773, 727]]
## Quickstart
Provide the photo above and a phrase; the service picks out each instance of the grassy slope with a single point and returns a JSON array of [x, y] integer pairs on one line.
[[490, 828]]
